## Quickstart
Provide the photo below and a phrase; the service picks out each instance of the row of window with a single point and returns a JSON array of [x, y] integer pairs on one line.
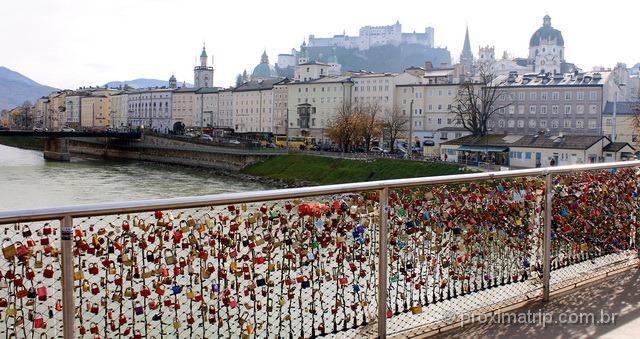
[[544, 109], [533, 123], [322, 89], [370, 88], [568, 95]]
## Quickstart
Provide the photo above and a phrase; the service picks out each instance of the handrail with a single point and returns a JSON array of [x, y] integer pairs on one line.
[[89, 210]]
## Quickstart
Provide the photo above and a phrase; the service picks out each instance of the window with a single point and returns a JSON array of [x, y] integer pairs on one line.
[[439, 121], [555, 96], [543, 109], [579, 124], [592, 123], [532, 109], [567, 109], [543, 96], [527, 155], [533, 96], [520, 123], [567, 95], [520, 109], [532, 123], [593, 96], [543, 123], [501, 123], [554, 124], [580, 95], [567, 123], [554, 109], [593, 109], [607, 122], [521, 96], [511, 123]]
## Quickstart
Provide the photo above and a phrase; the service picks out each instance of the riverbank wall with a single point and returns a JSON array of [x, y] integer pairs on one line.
[[170, 151]]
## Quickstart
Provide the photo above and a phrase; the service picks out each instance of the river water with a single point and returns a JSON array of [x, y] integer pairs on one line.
[[28, 181]]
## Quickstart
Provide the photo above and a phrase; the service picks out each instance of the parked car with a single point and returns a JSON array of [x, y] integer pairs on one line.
[[3, 128], [67, 129], [206, 137], [401, 153], [233, 142], [378, 150], [39, 129]]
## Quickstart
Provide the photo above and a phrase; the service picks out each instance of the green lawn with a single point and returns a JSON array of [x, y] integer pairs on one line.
[[324, 170], [23, 142]]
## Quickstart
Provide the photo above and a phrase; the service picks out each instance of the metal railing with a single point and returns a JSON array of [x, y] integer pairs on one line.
[[373, 258]]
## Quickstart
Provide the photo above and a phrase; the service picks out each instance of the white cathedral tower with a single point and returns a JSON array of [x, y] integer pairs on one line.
[[203, 74]]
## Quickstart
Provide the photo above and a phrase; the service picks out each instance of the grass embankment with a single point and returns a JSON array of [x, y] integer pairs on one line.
[[23, 142], [324, 170]]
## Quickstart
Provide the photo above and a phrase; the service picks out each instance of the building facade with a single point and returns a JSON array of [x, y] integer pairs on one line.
[[95, 111], [207, 110], [150, 108], [119, 106], [313, 104], [569, 104], [253, 104], [280, 106]]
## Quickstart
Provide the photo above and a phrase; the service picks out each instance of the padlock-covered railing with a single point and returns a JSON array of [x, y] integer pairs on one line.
[[363, 259]]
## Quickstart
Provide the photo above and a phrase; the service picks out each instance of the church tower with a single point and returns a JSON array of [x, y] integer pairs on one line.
[[466, 57], [546, 49], [303, 57], [173, 83], [203, 74]]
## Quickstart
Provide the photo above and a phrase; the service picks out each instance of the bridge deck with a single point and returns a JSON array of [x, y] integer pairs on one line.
[[56, 134]]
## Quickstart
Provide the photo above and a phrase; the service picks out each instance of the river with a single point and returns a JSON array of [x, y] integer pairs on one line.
[[28, 181]]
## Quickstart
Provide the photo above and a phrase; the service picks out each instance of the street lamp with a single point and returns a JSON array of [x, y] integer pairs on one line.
[[615, 104]]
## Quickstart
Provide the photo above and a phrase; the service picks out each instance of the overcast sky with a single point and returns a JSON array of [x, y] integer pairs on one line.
[[71, 43]]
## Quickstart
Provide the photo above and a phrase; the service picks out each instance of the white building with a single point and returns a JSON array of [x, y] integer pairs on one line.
[[150, 108], [371, 36], [253, 104], [530, 151]]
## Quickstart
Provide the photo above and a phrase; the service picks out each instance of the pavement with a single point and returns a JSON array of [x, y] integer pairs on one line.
[[608, 308]]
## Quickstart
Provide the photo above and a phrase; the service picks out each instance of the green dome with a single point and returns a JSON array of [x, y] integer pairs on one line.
[[263, 71]]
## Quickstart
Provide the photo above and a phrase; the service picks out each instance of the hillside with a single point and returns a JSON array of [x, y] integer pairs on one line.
[[141, 83], [387, 58], [16, 88]]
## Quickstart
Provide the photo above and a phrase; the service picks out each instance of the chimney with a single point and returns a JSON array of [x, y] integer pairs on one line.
[[428, 66]]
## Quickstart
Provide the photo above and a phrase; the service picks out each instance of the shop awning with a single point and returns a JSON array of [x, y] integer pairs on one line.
[[476, 148]]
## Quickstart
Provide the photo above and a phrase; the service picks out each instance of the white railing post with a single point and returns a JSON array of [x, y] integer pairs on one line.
[[68, 302], [546, 260], [382, 263]]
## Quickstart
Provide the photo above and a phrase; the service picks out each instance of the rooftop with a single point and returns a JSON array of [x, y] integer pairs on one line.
[[568, 79], [580, 142], [622, 108], [257, 85]]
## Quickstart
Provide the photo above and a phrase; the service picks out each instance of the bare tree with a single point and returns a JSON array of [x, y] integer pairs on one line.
[[368, 122], [344, 128], [477, 101], [394, 126]]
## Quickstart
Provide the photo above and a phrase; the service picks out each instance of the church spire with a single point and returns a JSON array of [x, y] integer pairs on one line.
[[467, 45], [466, 57]]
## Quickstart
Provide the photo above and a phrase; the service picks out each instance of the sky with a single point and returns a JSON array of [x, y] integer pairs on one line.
[[72, 43]]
